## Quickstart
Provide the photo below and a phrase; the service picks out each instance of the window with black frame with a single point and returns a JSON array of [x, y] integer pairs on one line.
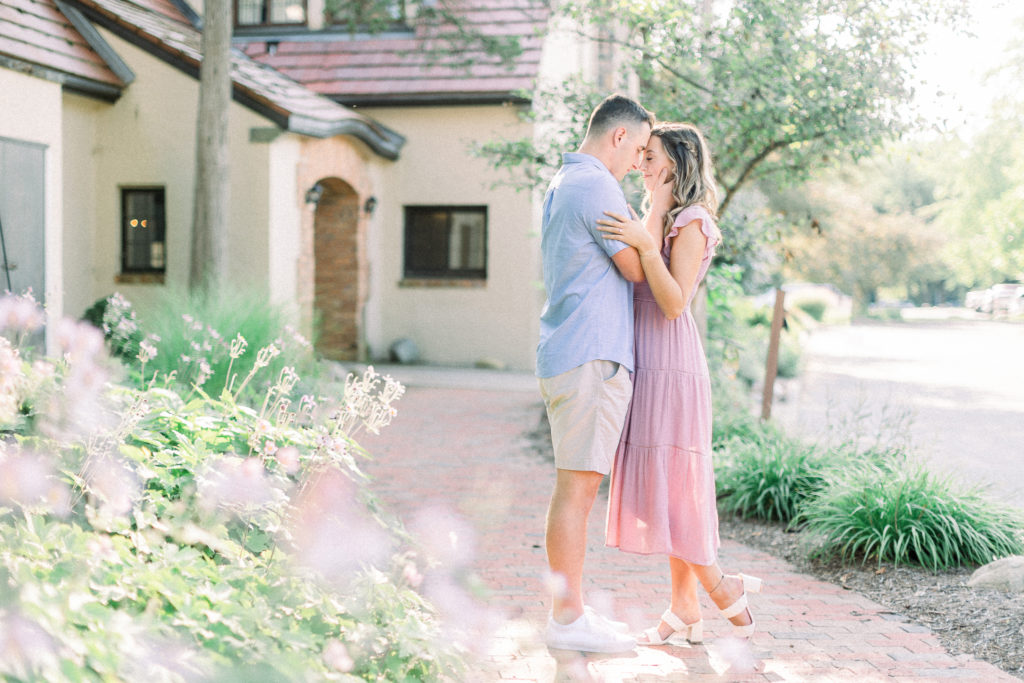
[[253, 13], [143, 231], [446, 242]]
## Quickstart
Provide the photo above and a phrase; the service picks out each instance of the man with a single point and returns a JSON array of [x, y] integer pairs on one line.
[[585, 353]]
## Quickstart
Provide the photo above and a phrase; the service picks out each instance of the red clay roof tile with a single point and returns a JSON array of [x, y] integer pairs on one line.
[[396, 67], [36, 33]]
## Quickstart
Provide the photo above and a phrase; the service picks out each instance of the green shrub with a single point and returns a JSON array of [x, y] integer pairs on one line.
[[905, 515], [814, 307], [767, 475], [115, 316], [147, 535]]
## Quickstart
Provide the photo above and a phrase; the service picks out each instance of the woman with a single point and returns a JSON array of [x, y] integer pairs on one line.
[[662, 497]]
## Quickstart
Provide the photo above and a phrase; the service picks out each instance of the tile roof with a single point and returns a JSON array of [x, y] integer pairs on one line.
[[35, 37], [400, 67], [158, 27]]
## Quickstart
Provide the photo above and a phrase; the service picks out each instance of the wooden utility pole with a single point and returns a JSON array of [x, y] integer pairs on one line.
[[210, 207], [772, 366]]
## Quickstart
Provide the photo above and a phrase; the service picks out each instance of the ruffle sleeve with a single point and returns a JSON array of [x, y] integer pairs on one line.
[[687, 216]]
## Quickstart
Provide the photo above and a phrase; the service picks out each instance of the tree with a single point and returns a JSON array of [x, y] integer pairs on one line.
[[872, 231], [780, 87], [984, 208], [211, 203]]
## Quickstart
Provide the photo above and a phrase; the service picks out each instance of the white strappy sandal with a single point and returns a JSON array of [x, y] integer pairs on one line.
[[751, 584], [694, 632]]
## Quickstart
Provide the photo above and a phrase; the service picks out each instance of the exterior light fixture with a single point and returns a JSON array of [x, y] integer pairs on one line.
[[314, 194]]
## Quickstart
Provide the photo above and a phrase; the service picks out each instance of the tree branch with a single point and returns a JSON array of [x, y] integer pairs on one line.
[[744, 176]]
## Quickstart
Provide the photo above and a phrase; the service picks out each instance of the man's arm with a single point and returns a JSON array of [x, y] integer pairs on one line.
[[628, 262]]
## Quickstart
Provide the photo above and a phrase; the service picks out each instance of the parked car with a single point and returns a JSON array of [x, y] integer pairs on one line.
[[1007, 299], [979, 300]]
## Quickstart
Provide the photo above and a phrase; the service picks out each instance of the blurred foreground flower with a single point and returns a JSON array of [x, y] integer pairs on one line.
[[236, 484], [20, 313], [449, 543], [25, 647], [28, 479], [332, 532]]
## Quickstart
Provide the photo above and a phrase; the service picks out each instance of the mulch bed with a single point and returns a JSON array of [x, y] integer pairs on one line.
[[987, 624]]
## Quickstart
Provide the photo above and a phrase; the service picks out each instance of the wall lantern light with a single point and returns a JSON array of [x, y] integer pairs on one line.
[[314, 194], [370, 205]]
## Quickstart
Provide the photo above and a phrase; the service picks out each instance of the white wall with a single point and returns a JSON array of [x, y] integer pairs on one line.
[[455, 325], [148, 137]]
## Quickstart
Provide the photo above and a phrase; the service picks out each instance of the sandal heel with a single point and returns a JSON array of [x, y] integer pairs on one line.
[[751, 584]]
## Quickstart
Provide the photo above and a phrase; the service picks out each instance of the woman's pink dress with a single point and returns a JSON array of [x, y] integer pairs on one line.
[[662, 497]]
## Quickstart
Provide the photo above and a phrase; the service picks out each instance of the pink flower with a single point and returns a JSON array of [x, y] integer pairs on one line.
[[288, 458], [336, 656]]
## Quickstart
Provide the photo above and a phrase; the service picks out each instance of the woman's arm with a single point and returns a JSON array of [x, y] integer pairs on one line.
[[670, 284]]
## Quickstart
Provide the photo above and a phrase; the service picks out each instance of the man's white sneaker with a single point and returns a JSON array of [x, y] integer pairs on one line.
[[620, 626], [589, 633]]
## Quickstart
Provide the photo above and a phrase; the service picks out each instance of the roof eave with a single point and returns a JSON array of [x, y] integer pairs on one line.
[[96, 42], [382, 140], [107, 92], [430, 99]]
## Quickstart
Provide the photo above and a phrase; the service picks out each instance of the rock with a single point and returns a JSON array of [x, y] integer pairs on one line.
[[1006, 574], [405, 351], [490, 364]]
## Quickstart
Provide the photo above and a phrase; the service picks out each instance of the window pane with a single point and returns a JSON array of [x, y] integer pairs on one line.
[[427, 241], [250, 12], [143, 230], [367, 13], [466, 247], [287, 12]]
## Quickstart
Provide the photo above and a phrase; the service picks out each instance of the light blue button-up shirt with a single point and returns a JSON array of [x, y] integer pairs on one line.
[[589, 311]]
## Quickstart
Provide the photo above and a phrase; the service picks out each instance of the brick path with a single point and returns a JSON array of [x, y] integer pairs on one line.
[[461, 459]]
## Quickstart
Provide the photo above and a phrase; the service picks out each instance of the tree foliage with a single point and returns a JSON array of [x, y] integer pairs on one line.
[[780, 87], [870, 230], [984, 209]]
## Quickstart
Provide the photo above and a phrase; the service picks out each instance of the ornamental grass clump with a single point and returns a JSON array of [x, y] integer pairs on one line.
[[767, 475], [907, 515]]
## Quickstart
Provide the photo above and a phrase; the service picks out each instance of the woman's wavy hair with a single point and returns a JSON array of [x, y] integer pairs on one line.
[[693, 172]]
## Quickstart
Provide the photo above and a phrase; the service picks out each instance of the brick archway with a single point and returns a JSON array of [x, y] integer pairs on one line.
[[337, 300]]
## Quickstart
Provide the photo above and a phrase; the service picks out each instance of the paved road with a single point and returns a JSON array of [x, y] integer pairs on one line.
[[959, 384], [458, 466]]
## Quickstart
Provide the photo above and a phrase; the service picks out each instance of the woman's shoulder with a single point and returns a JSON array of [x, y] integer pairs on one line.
[[700, 213], [691, 213]]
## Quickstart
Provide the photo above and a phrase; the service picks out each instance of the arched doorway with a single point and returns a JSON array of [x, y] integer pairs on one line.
[[337, 300]]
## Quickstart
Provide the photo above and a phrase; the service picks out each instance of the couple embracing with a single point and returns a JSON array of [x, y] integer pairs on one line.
[[623, 373]]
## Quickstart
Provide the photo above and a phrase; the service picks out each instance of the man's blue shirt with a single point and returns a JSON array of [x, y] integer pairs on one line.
[[589, 311]]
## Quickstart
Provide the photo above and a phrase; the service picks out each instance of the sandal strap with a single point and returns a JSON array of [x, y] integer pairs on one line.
[[653, 636], [735, 608], [670, 618]]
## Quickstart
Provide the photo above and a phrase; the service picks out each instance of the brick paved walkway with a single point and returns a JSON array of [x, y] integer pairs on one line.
[[465, 452]]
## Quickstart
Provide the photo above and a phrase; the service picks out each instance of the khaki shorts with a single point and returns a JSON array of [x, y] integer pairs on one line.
[[587, 408]]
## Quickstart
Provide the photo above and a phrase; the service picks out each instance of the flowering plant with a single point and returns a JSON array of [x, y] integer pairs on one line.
[[155, 530]]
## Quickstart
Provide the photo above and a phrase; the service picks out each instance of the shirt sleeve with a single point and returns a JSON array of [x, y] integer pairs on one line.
[[607, 196]]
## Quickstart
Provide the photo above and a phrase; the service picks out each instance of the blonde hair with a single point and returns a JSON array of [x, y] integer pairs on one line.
[[692, 172]]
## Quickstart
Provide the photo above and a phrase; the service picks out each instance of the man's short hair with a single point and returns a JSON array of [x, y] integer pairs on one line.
[[615, 110]]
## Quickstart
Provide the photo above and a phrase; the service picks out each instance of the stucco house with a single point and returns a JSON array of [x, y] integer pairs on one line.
[[354, 199]]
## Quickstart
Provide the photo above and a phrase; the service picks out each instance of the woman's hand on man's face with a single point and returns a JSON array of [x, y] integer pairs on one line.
[[661, 194]]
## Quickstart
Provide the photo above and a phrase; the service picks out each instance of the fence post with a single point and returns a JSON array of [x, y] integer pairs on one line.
[[772, 366]]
